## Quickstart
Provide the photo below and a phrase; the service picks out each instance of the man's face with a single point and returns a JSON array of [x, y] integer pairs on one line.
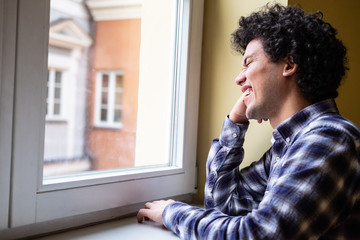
[[262, 81]]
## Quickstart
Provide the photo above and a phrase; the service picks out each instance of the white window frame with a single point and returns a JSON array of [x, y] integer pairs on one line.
[[51, 115], [109, 123], [27, 206]]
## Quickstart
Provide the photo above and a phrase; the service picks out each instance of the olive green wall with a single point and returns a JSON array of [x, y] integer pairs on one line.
[[220, 66], [344, 16]]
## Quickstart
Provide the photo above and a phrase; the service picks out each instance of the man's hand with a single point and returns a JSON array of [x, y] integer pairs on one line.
[[153, 211], [237, 114]]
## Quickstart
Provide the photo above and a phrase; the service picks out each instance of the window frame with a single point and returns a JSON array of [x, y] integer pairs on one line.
[[46, 207], [7, 66]]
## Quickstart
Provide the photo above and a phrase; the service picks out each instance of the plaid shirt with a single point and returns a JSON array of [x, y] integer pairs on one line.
[[306, 186]]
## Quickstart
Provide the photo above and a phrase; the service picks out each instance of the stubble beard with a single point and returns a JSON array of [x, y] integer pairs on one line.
[[256, 111]]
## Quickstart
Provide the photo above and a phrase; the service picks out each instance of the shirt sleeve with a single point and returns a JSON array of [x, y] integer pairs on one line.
[[315, 187], [227, 189]]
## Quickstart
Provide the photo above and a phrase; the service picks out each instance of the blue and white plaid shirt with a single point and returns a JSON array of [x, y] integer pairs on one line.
[[306, 186]]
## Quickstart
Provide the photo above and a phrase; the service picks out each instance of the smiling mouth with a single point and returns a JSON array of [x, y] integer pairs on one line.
[[248, 92]]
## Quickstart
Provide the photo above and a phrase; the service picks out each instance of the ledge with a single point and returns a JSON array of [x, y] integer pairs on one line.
[[127, 228]]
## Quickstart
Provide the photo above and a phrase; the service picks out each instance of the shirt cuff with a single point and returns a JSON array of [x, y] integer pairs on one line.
[[232, 134], [171, 214]]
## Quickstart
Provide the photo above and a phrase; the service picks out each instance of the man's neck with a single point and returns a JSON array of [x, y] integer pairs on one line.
[[292, 105]]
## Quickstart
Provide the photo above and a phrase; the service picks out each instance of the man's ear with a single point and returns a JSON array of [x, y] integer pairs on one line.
[[290, 67]]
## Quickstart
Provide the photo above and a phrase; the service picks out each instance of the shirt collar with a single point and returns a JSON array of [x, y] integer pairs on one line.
[[291, 126]]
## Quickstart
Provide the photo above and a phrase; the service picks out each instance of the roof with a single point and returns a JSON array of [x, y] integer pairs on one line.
[[67, 33]]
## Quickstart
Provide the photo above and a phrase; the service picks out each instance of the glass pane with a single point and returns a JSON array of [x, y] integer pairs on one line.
[[104, 98], [47, 89], [105, 81], [112, 107], [57, 77], [118, 98], [119, 82], [47, 92], [57, 93], [117, 116], [57, 109], [103, 115]]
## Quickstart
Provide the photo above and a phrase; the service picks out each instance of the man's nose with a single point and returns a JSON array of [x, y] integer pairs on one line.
[[240, 79]]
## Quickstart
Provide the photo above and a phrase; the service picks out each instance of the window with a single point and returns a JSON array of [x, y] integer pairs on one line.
[[48, 204], [54, 94], [109, 95]]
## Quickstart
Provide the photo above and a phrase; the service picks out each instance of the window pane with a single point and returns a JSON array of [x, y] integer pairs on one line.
[[57, 109], [57, 93], [103, 115], [57, 77], [111, 106], [104, 98], [105, 81], [47, 93], [117, 115], [118, 98], [119, 82], [47, 90]]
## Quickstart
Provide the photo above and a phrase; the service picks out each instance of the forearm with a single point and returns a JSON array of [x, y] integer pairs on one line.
[[190, 222], [226, 149], [226, 189], [196, 223]]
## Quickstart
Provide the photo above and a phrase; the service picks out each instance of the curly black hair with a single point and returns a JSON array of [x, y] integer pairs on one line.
[[311, 42]]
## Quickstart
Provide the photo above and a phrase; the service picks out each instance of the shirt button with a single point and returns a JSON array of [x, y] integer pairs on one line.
[[234, 135], [277, 159], [287, 140]]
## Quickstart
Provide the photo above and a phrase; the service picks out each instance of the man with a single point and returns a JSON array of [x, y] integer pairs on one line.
[[307, 185]]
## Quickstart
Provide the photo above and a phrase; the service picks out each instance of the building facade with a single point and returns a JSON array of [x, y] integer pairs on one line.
[[94, 49]]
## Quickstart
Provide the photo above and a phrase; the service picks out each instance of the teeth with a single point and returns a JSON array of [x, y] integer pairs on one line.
[[247, 92]]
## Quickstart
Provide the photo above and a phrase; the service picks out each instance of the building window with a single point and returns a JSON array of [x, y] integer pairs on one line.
[[109, 95], [54, 94]]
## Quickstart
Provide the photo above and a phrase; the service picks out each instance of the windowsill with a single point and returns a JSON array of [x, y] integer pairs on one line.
[[127, 228], [56, 121], [108, 126]]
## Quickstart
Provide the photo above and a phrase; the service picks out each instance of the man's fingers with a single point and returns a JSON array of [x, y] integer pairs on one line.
[[148, 205], [153, 211], [238, 112], [261, 120], [143, 213]]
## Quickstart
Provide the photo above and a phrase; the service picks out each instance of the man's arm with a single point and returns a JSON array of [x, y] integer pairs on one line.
[[223, 190], [310, 193], [227, 189]]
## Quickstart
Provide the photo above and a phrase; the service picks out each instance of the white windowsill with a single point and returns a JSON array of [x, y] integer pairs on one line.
[[127, 228]]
